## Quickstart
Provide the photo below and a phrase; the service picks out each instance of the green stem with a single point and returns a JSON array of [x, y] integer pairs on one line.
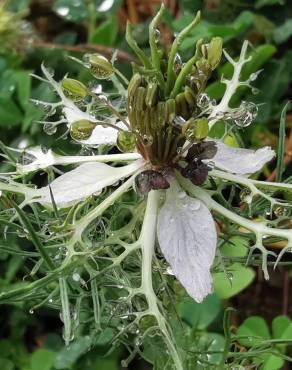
[[174, 48], [147, 239], [92, 13], [134, 46], [152, 38]]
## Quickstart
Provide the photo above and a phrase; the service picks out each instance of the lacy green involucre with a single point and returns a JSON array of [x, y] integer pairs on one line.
[[95, 237]]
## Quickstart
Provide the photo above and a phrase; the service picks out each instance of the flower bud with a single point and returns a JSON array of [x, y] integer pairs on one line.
[[100, 67], [126, 141], [215, 52], [196, 129], [74, 89], [82, 129]]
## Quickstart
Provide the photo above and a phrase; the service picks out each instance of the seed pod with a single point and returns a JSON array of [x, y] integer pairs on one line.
[[82, 129], [170, 110], [215, 52], [151, 94], [133, 85], [126, 141], [100, 67], [74, 89]]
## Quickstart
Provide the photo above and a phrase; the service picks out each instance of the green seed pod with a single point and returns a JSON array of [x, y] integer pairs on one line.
[[196, 129], [151, 94], [100, 67], [170, 107], [215, 52], [133, 85], [82, 130], [126, 141], [74, 89]]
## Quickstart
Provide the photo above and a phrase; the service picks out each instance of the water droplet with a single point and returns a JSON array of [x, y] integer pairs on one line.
[[255, 91], [211, 165], [76, 276], [203, 101], [147, 140], [177, 63], [63, 11], [50, 300], [49, 128], [194, 205], [157, 35], [229, 276], [178, 121], [31, 311], [181, 195]]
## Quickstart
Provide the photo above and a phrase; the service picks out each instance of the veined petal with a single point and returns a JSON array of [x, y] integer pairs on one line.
[[241, 161], [85, 180], [187, 237]]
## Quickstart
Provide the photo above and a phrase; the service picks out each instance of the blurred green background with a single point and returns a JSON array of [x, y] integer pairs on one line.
[[32, 32]]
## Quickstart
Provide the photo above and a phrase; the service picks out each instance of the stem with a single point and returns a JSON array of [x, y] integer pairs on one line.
[[152, 38], [147, 239], [134, 46], [83, 223], [174, 48], [92, 19]]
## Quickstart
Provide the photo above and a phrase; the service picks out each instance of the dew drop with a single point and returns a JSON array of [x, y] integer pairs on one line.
[[31, 311], [203, 101], [76, 276], [181, 195], [194, 205], [157, 35], [49, 128], [177, 63]]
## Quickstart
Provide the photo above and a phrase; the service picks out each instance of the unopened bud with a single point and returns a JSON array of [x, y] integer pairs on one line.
[[100, 67], [215, 52], [82, 129], [126, 141], [74, 89]]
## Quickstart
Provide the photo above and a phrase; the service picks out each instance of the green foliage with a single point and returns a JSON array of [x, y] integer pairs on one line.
[[267, 25]]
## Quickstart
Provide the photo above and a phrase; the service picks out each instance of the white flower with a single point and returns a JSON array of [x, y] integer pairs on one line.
[[185, 230]]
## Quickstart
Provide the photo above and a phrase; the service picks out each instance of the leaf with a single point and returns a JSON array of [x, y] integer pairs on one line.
[[272, 362], [261, 3], [187, 237], [200, 315], [10, 114], [282, 327], [82, 182], [106, 33], [42, 359], [255, 329], [283, 32], [241, 278], [69, 354], [235, 247], [6, 364], [281, 146], [211, 342]]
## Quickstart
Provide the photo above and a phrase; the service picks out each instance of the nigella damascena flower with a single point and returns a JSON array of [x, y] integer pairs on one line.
[[165, 129]]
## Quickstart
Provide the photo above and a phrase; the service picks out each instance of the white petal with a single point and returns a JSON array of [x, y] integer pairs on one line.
[[241, 161], [105, 5], [100, 135], [187, 237], [87, 179]]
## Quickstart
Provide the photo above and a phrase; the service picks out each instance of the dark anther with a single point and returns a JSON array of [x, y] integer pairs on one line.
[[150, 180], [202, 150], [197, 172]]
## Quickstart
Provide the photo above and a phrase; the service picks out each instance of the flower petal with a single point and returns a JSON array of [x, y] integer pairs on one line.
[[87, 179], [241, 161], [187, 237]]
